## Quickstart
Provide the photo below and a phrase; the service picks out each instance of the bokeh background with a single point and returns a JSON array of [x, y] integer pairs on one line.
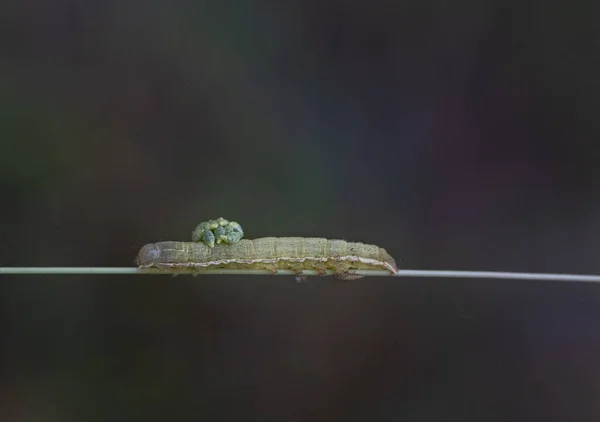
[[457, 135]]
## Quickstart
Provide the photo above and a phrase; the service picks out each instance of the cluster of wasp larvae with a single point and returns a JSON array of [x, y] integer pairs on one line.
[[212, 232]]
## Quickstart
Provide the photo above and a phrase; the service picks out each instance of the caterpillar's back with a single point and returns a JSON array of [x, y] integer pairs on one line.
[[272, 253]]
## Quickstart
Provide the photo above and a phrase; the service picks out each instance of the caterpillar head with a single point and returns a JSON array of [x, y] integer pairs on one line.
[[148, 255]]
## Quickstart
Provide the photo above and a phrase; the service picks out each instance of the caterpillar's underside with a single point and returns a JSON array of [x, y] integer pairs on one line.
[[270, 253]]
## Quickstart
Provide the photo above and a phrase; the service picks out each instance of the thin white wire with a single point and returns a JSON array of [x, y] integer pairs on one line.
[[372, 273]]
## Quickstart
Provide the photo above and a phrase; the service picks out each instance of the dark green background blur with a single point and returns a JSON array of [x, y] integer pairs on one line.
[[457, 135]]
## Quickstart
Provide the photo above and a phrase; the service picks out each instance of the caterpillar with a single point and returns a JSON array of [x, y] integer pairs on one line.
[[270, 253]]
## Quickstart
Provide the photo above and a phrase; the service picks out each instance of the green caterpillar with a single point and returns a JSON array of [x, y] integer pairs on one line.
[[271, 253]]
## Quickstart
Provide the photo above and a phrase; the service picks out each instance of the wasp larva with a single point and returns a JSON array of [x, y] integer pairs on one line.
[[217, 231]]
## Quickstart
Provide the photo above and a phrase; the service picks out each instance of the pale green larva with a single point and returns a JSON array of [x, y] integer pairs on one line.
[[270, 253]]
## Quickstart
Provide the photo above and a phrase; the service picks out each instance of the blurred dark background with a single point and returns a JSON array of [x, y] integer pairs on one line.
[[457, 135]]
